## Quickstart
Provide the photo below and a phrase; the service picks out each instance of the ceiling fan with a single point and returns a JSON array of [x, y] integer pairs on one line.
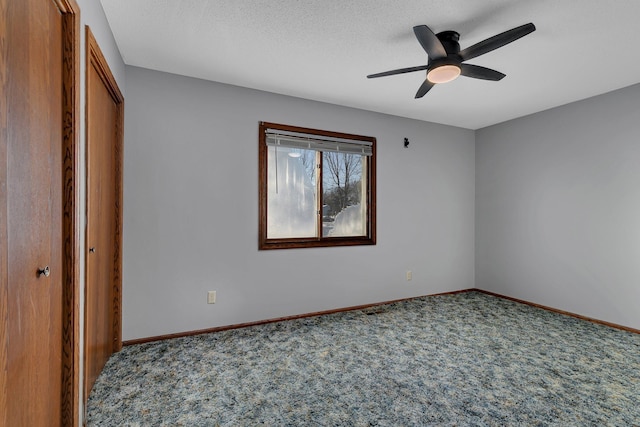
[[446, 59]]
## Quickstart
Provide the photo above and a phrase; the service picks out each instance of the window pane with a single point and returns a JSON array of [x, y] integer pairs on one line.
[[291, 193], [343, 195], [298, 169]]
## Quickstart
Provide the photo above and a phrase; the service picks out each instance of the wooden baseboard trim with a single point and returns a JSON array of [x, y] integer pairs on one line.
[[277, 319], [364, 306], [566, 313]]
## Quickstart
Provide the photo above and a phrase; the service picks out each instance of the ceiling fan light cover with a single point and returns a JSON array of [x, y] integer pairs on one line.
[[443, 73]]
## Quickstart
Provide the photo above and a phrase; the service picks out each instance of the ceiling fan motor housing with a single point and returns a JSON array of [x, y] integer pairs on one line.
[[449, 40], [444, 67]]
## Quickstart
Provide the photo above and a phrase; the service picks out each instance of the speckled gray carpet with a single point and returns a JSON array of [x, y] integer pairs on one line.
[[467, 360]]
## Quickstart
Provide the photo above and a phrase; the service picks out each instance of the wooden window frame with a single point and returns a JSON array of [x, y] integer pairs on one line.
[[313, 242]]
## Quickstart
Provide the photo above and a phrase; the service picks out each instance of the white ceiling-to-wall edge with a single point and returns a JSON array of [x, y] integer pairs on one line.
[[323, 51]]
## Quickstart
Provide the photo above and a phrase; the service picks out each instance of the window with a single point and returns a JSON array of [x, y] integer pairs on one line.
[[317, 188]]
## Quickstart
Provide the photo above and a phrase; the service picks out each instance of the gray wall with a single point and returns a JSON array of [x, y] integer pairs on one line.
[[92, 14], [558, 207], [191, 210]]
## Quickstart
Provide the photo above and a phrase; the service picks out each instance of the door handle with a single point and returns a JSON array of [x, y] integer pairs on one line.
[[92, 249], [44, 272]]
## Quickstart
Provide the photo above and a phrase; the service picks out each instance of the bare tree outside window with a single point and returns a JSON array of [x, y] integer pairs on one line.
[[343, 174]]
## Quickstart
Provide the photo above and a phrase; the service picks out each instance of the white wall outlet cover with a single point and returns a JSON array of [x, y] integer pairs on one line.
[[211, 297]]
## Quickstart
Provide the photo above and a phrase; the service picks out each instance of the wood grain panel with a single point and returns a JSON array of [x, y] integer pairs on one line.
[[117, 243], [4, 279], [39, 102], [34, 195], [70, 211], [104, 214]]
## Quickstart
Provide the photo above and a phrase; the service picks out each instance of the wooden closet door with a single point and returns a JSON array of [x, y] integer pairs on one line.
[[33, 212], [104, 214]]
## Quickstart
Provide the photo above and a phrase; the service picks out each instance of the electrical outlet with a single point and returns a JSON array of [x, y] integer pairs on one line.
[[211, 297], [409, 275]]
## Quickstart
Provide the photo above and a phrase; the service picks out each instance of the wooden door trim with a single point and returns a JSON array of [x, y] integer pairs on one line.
[[95, 59], [70, 211], [4, 273]]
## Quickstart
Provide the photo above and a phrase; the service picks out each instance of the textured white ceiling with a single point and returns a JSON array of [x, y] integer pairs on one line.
[[323, 50]]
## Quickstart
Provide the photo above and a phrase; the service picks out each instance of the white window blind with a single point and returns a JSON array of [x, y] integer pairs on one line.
[[280, 138]]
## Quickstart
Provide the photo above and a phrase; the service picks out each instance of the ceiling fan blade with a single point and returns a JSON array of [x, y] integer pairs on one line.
[[398, 71], [424, 88], [478, 72], [430, 42], [496, 41]]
